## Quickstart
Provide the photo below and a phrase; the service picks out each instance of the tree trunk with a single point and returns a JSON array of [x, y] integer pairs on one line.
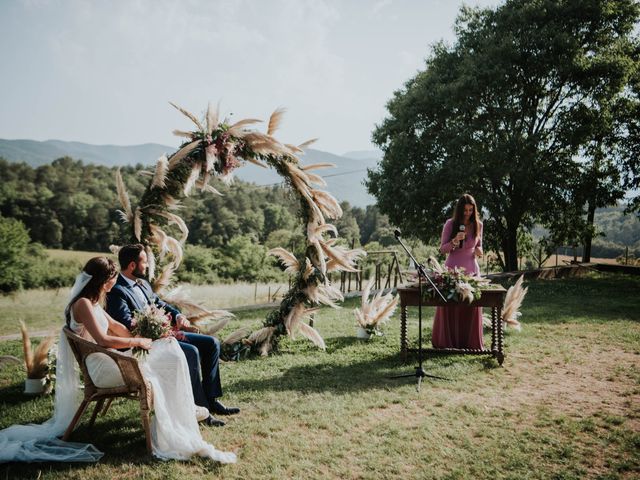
[[510, 249], [586, 254]]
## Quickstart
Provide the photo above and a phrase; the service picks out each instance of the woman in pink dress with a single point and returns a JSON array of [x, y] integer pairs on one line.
[[460, 326]]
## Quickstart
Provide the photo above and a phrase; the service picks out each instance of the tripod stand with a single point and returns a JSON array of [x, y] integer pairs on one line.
[[419, 371]]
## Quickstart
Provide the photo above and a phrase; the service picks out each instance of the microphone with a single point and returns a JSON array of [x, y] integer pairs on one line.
[[462, 228], [397, 233]]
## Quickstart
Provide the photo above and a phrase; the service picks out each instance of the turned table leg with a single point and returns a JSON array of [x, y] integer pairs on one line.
[[403, 333], [500, 336]]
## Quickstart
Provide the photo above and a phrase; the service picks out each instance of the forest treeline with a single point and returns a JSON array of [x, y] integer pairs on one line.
[[72, 206]]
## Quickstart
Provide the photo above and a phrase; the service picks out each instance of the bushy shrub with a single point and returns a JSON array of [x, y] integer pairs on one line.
[[14, 241]]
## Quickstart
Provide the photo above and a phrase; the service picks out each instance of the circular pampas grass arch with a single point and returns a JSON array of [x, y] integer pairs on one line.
[[215, 149]]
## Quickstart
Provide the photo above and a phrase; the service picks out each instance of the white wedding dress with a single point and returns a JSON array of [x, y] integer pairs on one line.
[[175, 433]]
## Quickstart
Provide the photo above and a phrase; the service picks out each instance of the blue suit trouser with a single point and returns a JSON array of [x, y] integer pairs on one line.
[[203, 355]]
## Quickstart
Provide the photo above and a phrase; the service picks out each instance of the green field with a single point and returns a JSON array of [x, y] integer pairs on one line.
[[565, 404]]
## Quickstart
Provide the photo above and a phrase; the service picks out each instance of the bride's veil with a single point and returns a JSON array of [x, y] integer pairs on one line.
[[39, 443]]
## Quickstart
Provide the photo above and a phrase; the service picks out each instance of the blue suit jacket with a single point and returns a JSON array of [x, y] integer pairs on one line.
[[122, 301]]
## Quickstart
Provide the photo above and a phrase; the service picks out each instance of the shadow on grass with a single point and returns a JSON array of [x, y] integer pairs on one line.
[[374, 373], [14, 395], [119, 436]]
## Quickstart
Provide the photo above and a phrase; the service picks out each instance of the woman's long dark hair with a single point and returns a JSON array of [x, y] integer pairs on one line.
[[101, 269], [458, 214]]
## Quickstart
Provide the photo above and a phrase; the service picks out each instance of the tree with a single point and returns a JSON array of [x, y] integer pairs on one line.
[[14, 242], [501, 114]]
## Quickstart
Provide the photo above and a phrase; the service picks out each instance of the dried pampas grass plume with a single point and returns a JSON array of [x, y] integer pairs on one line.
[[36, 362], [123, 197], [373, 313], [189, 115], [512, 303], [275, 120]]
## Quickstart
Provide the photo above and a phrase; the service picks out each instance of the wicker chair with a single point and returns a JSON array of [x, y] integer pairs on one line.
[[135, 386]]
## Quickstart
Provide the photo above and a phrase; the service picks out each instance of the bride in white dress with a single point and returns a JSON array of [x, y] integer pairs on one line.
[[174, 429]]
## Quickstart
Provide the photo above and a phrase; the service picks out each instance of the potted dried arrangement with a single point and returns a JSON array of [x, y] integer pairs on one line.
[[374, 312], [36, 362]]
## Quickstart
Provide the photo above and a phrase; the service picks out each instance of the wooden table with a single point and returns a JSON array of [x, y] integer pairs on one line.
[[492, 297]]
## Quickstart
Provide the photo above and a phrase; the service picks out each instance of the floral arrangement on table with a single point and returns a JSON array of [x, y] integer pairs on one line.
[[215, 148], [454, 284], [151, 322], [375, 312]]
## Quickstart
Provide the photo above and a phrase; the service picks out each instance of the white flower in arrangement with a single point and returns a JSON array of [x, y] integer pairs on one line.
[[465, 291]]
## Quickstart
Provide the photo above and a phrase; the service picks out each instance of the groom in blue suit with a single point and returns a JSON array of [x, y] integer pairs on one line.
[[132, 292]]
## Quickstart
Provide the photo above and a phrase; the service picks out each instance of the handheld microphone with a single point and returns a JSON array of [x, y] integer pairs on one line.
[[462, 228], [397, 233]]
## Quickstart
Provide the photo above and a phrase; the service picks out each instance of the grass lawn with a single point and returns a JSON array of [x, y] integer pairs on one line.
[[565, 404]]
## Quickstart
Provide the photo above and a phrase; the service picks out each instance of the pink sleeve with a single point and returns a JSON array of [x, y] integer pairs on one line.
[[445, 244]]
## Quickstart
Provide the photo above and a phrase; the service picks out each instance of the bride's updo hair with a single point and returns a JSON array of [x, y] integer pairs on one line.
[[101, 269]]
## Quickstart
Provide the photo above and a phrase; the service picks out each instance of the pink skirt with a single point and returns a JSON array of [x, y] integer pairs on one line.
[[458, 327]]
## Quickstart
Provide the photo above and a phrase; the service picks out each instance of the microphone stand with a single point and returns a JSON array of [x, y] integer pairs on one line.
[[419, 371]]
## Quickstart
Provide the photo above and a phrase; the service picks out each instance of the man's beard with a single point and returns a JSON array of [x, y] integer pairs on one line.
[[138, 272]]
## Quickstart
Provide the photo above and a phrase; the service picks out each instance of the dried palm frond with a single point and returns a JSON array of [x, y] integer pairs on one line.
[[274, 120], [264, 145], [159, 238], [165, 277], [316, 214], [182, 133], [325, 294], [315, 232], [137, 223], [174, 219], [293, 317], [123, 196], [306, 144], [170, 202], [257, 162], [235, 337], [327, 204], [287, 258], [237, 127], [315, 166], [312, 334], [294, 149], [151, 258], [212, 117], [262, 338], [174, 247], [193, 177], [316, 179], [206, 187], [308, 269], [219, 325], [512, 303], [36, 362], [182, 153], [339, 256], [376, 311], [435, 265], [160, 174], [189, 115]]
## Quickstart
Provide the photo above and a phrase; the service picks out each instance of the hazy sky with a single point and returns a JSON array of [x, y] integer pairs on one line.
[[102, 72]]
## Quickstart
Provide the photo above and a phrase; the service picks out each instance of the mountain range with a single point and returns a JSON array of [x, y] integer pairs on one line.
[[345, 181]]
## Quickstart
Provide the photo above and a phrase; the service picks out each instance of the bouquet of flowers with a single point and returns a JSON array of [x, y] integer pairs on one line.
[[455, 285], [153, 323]]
